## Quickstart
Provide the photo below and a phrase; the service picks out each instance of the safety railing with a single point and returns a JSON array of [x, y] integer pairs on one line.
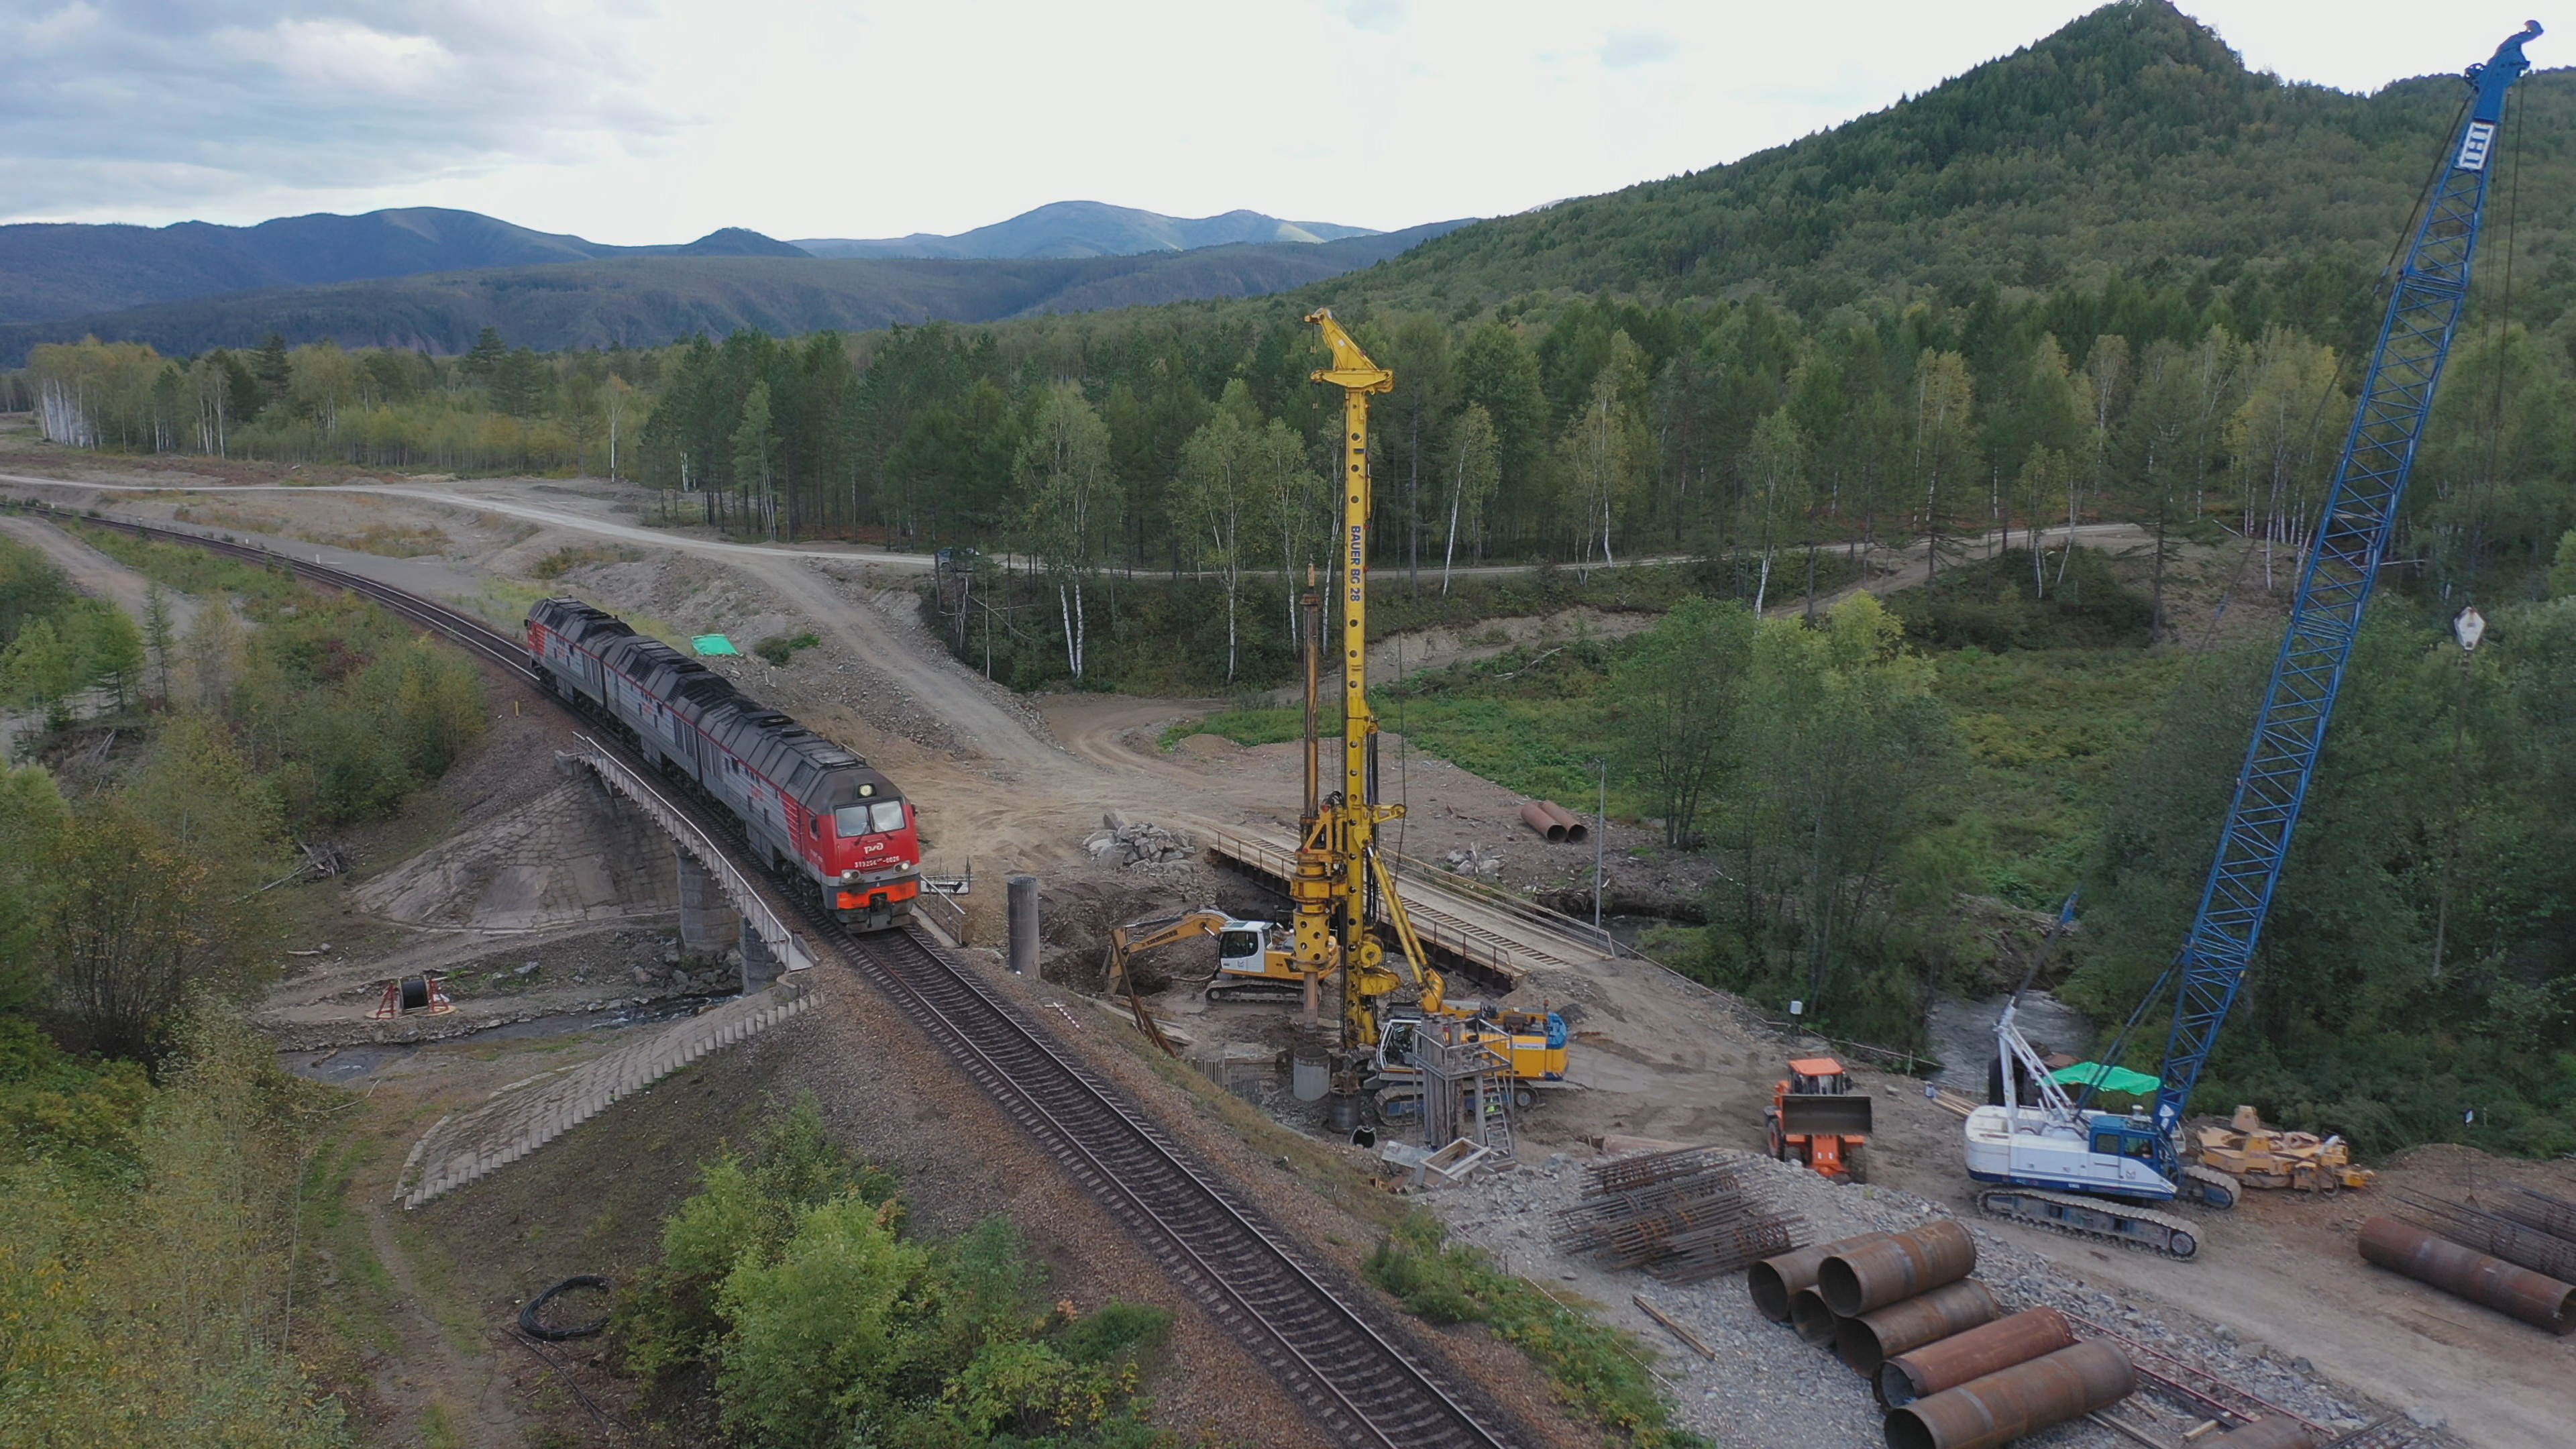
[[785, 946]]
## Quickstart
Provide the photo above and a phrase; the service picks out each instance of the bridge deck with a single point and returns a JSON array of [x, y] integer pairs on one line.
[[1483, 927]]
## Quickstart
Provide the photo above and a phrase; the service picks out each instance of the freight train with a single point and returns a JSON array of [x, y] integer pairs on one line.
[[813, 811]]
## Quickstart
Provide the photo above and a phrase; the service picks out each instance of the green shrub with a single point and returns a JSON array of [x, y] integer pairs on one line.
[[789, 1275], [779, 649], [1602, 1373]]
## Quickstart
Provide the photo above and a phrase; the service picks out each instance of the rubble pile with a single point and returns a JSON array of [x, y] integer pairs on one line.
[[1123, 844], [1475, 860]]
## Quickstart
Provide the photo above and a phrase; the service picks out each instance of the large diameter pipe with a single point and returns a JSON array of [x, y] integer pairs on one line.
[[2272, 1431], [1947, 1363], [2536, 1299], [1535, 816], [1814, 1321], [1870, 1277], [2023, 1399], [1575, 829], [1873, 1338], [1773, 1280]]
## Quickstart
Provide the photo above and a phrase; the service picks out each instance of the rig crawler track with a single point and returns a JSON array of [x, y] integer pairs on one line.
[[1360, 1387]]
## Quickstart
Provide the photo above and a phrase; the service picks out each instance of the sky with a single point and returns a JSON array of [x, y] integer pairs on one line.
[[640, 121]]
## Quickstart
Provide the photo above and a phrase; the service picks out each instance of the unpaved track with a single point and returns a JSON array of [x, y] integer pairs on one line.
[[97, 575]]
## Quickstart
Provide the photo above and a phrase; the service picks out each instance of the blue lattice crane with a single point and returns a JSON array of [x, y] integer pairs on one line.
[[2053, 1142]]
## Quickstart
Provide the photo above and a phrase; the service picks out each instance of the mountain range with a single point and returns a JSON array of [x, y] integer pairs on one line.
[[53, 271], [1090, 229], [50, 270], [640, 301]]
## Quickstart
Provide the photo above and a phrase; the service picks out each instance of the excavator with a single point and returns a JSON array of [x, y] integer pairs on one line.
[[1339, 874], [2058, 1162], [1253, 961]]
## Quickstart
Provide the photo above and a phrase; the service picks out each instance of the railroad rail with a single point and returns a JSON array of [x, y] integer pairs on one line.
[[1361, 1387]]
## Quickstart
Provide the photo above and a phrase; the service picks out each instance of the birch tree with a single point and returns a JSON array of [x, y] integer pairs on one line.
[[1063, 473], [1217, 500], [1475, 473]]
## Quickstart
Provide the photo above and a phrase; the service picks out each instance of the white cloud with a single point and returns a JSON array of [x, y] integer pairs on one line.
[[631, 121], [1622, 49]]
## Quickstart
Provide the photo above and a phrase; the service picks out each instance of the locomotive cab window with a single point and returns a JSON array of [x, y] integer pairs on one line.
[[854, 820]]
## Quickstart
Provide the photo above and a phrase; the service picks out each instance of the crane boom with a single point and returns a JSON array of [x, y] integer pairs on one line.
[[2343, 563]]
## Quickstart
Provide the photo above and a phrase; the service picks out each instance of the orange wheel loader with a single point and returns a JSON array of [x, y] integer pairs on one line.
[[1817, 1117]]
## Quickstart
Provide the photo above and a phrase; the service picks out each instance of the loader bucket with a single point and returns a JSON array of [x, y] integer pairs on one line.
[[1818, 1115]]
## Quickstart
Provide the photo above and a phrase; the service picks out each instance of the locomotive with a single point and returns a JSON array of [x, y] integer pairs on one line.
[[812, 810]]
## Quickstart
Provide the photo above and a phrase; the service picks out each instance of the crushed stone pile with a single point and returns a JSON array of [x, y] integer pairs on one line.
[[1120, 843], [1475, 860]]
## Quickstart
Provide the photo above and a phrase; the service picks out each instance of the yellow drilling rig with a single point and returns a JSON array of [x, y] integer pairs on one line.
[[1338, 861]]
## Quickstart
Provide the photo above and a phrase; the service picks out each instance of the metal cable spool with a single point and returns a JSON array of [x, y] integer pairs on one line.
[[415, 993]]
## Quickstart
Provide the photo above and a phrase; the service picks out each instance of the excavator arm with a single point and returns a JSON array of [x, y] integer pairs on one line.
[[1136, 936]]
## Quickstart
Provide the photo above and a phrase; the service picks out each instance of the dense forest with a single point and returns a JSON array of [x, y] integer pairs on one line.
[[2114, 278]]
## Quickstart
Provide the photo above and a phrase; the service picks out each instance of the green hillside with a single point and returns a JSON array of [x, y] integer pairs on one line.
[[2132, 140]]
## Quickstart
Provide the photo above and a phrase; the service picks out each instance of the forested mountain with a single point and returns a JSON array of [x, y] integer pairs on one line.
[[53, 271], [2131, 140], [1090, 229], [648, 301]]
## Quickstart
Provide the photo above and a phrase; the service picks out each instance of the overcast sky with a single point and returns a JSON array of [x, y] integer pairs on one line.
[[658, 120]]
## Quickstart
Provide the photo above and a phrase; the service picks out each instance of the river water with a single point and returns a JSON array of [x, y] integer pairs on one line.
[[1963, 1035]]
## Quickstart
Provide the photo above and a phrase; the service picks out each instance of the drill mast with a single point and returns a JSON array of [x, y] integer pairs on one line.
[[1337, 859]]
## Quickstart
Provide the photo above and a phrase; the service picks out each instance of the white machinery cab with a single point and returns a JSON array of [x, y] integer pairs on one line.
[[2033, 1147], [1243, 948]]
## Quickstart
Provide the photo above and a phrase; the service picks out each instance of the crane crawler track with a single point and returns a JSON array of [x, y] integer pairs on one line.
[[2075, 1215], [1360, 1387]]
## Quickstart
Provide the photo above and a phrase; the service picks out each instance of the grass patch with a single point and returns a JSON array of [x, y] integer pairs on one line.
[[780, 649], [189, 570], [2047, 732], [1601, 1373], [386, 540], [464, 1327], [572, 556]]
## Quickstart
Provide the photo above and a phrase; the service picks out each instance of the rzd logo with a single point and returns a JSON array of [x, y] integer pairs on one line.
[[2473, 147]]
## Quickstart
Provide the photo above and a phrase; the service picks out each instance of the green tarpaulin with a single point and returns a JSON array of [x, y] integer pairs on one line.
[[2114, 1079], [713, 644]]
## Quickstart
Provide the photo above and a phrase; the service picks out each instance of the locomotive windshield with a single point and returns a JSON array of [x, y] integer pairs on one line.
[[856, 820]]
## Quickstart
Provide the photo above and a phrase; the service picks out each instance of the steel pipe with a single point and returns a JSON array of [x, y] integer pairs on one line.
[[1575, 829], [1870, 1277], [2269, 1432], [1814, 1321], [1921, 1372], [2023, 1399], [2540, 1301], [1773, 1280], [1873, 1338], [1535, 816]]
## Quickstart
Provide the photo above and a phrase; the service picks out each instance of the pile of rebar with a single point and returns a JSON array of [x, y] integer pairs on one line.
[[1682, 1216], [2520, 1231]]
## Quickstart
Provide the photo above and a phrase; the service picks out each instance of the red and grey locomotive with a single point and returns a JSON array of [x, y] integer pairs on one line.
[[812, 809]]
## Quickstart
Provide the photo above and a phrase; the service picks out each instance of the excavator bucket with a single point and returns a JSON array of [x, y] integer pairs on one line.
[[1822, 1115]]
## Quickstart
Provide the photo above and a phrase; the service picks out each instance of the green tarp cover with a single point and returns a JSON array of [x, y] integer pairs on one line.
[[714, 644], [2114, 1079]]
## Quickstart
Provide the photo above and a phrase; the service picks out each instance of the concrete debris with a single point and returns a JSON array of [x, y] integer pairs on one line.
[[1133, 845], [1475, 860]]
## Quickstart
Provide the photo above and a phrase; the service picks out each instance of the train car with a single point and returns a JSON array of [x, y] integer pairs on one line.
[[812, 810]]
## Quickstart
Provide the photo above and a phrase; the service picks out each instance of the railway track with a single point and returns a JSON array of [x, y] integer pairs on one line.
[[1359, 1386]]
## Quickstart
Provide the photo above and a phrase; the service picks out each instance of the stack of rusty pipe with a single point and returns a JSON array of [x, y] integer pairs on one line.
[[2025, 1398], [2535, 1298], [1953, 1370], [1554, 822]]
